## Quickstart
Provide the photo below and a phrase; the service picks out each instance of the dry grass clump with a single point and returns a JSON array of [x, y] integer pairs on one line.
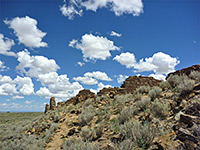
[[78, 144], [159, 109], [154, 92], [126, 114], [13, 135], [86, 115], [143, 103], [140, 134]]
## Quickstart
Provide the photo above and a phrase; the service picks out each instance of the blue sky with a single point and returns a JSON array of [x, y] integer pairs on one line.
[[56, 48]]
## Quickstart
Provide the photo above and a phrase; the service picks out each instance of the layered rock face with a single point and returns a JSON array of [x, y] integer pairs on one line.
[[185, 71], [133, 82]]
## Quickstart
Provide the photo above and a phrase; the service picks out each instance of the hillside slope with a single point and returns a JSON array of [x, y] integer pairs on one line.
[[143, 113]]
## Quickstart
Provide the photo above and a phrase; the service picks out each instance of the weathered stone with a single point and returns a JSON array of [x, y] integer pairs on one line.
[[52, 103], [188, 119], [71, 132], [81, 96], [184, 134], [133, 82], [110, 92], [46, 108], [185, 71], [193, 109], [115, 138]]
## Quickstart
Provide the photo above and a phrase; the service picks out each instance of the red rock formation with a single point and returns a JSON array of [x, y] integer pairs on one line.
[[185, 71], [133, 82]]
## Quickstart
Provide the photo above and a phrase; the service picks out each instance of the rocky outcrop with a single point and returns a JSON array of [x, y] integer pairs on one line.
[[46, 108], [133, 82], [81, 96], [110, 92], [52, 103], [185, 71], [187, 129]]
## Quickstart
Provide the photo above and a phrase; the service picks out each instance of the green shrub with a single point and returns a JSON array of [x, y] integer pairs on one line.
[[86, 115], [159, 109], [99, 130], [185, 86], [182, 84], [88, 102], [141, 135], [174, 80], [86, 134], [154, 92], [123, 98], [126, 114], [195, 75], [138, 96], [125, 145], [164, 85], [143, 103], [142, 89]]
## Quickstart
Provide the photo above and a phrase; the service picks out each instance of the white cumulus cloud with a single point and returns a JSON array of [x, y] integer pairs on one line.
[[7, 89], [81, 63], [33, 66], [90, 78], [127, 59], [25, 85], [98, 75], [94, 47], [25, 28], [86, 80], [158, 76], [160, 63], [113, 33], [100, 86], [58, 86], [5, 46], [121, 78], [70, 10], [119, 7], [3, 67]]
